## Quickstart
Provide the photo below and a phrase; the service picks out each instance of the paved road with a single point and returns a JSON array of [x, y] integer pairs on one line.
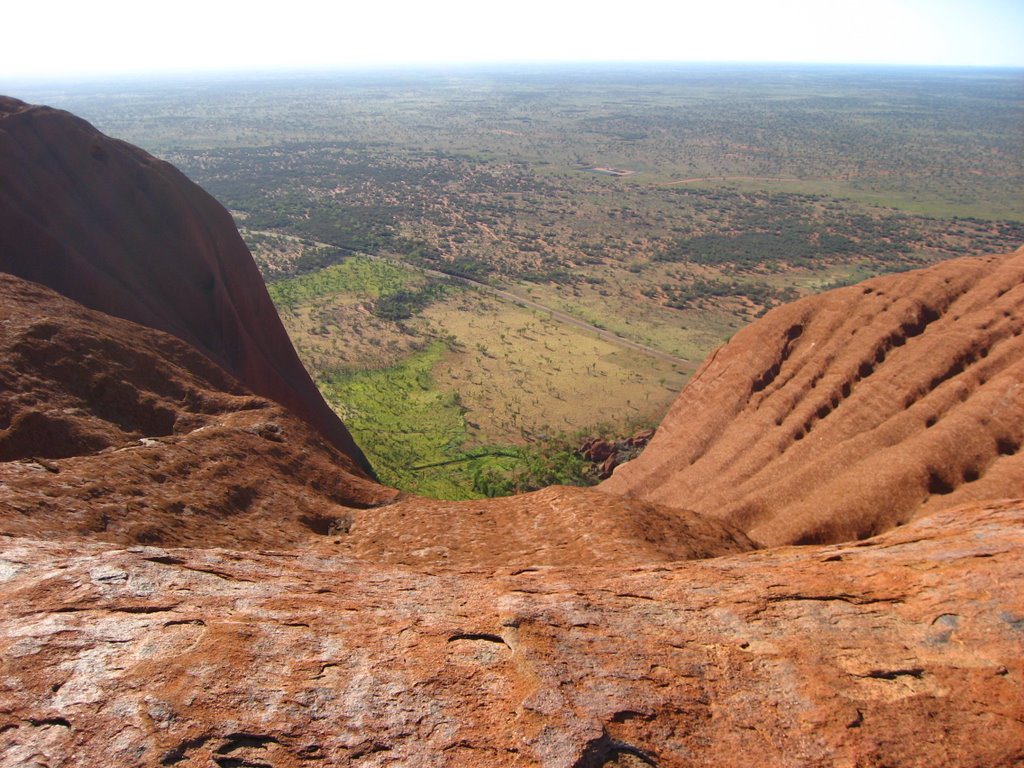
[[556, 314]]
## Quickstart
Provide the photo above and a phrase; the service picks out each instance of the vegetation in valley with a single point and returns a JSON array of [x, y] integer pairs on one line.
[[410, 227], [417, 437], [365, 278]]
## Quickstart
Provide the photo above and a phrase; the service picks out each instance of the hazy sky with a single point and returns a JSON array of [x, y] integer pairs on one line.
[[75, 39]]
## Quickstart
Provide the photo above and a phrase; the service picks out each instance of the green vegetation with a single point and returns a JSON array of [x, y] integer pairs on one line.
[[402, 420], [367, 278], [415, 436], [749, 186], [555, 461], [404, 304]]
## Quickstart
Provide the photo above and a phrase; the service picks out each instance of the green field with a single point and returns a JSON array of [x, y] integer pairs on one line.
[[403, 421], [469, 388], [360, 278]]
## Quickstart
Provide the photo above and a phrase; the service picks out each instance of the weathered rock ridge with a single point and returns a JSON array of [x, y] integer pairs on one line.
[[846, 414], [112, 227], [115, 431], [191, 575]]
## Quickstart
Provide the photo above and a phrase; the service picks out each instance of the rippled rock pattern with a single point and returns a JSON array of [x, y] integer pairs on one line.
[[849, 413]]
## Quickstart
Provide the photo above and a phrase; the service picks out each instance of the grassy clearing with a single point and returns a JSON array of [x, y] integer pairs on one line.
[[617, 304], [359, 277], [523, 376], [329, 316], [415, 435], [402, 420]]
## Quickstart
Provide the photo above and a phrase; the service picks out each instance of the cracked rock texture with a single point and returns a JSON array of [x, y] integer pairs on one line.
[[903, 649], [842, 415]]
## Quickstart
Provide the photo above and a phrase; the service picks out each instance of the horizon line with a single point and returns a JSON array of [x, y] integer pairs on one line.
[[436, 67]]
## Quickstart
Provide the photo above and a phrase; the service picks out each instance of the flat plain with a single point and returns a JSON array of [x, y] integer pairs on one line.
[[413, 226]]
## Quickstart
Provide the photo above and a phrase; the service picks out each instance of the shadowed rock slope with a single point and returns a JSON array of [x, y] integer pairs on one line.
[[115, 431], [845, 414], [106, 224]]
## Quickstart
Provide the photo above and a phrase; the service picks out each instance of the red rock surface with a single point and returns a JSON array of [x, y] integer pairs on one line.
[[112, 227], [845, 414], [903, 650], [115, 431], [555, 526]]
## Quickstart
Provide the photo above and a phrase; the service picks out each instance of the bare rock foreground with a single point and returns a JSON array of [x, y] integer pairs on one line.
[[192, 575], [899, 650]]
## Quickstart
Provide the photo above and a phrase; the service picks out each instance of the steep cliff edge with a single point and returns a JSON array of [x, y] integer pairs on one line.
[[849, 413], [108, 225]]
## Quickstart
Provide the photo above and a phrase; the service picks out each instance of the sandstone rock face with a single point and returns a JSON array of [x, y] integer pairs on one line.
[[902, 650], [845, 414], [114, 431], [106, 224]]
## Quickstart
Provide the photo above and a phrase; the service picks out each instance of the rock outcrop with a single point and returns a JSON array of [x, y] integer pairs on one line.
[[114, 431], [902, 650], [846, 414], [115, 229]]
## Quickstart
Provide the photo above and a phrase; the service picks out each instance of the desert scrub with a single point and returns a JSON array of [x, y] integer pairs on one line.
[[555, 460], [532, 467]]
